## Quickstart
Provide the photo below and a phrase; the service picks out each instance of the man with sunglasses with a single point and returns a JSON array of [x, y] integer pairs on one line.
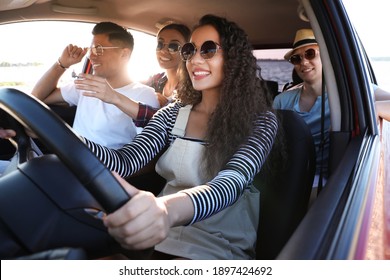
[[306, 99], [170, 38], [109, 55]]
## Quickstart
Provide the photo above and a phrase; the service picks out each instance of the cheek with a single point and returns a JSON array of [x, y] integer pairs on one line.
[[219, 71], [188, 67], [176, 58]]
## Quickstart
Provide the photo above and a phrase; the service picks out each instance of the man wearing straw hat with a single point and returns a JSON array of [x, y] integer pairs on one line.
[[306, 99]]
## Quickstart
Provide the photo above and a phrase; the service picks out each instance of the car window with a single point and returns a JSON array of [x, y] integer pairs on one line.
[[273, 67], [33, 47], [377, 47]]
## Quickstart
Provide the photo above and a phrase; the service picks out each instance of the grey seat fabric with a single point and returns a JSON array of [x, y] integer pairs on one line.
[[285, 185]]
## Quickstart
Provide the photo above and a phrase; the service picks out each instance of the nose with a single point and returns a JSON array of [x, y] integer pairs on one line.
[[304, 60], [197, 58]]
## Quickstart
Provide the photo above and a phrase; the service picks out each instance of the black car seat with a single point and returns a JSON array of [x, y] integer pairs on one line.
[[285, 185], [296, 80]]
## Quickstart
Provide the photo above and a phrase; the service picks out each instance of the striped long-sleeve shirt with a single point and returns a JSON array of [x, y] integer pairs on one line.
[[215, 195]]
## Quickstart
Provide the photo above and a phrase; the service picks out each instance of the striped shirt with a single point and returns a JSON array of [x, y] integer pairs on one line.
[[217, 194]]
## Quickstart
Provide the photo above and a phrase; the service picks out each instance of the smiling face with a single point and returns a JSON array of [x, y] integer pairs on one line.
[[113, 61], [206, 74], [309, 70], [166, 59]]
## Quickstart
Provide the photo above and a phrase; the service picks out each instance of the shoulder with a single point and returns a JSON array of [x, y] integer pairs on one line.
[[172, 108], [286, 99]]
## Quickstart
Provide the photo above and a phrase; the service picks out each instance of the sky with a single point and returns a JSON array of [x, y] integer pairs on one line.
[[371, 19]]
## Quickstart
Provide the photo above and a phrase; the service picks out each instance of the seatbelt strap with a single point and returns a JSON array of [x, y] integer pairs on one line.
[[322, 143]]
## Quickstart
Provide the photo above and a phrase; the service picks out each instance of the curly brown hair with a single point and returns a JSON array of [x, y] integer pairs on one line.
[[243, 95]]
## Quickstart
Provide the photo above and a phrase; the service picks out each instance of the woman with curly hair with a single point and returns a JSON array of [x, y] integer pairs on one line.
[[219, 133]]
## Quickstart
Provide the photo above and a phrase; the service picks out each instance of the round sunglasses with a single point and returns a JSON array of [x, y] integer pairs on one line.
[[207, 50], [309, 54], [173, 47]]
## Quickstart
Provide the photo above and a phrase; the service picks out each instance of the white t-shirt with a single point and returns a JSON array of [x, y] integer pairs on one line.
[[104, 123]]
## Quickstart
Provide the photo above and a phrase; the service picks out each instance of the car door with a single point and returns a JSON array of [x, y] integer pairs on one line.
[[337, 224]]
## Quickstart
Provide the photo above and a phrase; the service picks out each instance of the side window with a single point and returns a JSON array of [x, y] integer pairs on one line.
[[32, 47]]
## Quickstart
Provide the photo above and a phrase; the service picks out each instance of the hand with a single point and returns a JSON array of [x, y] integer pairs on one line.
[[141, 223], [98, 87], [72, 54], [7, 133]]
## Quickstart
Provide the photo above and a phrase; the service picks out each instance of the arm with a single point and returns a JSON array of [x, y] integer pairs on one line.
[[98, 87], [46, 88], [145, 113], [7, 133], [238, 172], [145, 220], [145, 146], [382, 103], [383, 109]]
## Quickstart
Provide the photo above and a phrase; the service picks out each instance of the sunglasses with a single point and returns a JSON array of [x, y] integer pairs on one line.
[[207, 50], [99, 49], [309, 54], [173, 47]]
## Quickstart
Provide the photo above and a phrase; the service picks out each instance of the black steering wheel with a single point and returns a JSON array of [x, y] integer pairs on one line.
[[62, 141]]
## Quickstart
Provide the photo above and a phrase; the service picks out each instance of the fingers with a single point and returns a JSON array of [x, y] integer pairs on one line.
[[94, 86], [89, 83], [141, 223], [7, 133], [72, 54], [76, 52]]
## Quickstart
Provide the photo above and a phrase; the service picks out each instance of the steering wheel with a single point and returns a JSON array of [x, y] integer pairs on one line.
[[62, 141]]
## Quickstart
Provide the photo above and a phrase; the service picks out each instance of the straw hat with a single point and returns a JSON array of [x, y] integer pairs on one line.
[[303, 37]]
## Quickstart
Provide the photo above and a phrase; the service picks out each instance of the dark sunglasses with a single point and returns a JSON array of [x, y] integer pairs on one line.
[[207, 50], [173, 47], [309, 54]]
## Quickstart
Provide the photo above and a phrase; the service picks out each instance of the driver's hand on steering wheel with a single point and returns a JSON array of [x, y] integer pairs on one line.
[[7, 133], [142, 222]]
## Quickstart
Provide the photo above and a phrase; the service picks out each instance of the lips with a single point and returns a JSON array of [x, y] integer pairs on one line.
[[200, 74], [164, 59], [307, 70]]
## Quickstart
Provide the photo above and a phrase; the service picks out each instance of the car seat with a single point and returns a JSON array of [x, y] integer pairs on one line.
[[296, 80], [285, 184]]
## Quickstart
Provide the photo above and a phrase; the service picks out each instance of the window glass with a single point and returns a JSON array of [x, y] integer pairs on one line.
[[31, 48], [272, 66], [369, 21]]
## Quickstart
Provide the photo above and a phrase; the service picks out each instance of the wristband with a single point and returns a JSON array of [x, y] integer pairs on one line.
[[61, 65]]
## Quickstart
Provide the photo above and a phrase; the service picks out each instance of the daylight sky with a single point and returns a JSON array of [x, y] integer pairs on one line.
[[371, 19]]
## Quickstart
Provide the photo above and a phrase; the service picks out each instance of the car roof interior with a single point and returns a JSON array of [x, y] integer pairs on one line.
[[142, 15]]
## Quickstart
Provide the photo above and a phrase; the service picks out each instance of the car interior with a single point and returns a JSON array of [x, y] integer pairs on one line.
[[67, 224]]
